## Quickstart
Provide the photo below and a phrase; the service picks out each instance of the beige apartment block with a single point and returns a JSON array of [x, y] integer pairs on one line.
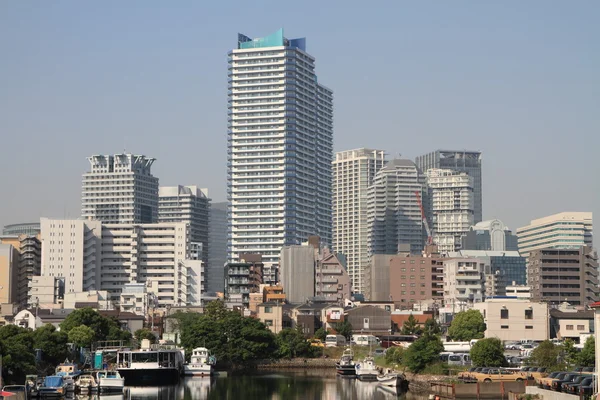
[[9, 264], [515, 319]]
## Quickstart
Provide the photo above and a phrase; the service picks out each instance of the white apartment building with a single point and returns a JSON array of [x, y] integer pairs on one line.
[[566, 230], [451, 202], [464, 282], [280, 147], [188, 204], [120, 189], [353, 173], [93, 256], [394, 215]]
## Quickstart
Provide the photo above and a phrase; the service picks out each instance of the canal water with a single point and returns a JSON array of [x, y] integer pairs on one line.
[[307, 384]]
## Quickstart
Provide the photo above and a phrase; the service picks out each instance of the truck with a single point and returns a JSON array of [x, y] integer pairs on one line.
[[459, 347]]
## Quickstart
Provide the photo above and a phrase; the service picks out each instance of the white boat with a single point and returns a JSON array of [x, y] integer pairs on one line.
[[86, 384], [109, 381], [201, 363], [346, 366], [366, 370], [391, 379], [69, 372], [152, 365]]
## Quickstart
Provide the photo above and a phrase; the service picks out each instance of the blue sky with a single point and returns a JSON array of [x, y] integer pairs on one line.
[[516, 80]]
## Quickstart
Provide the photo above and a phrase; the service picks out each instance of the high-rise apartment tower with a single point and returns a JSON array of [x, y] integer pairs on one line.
[[460, 161], [120, 189], [279, 147], [353, 173]]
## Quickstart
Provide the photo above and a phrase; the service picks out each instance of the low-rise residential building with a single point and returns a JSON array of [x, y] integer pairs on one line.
[[464, 281], [242, 278], [332, 283], [399, 318], [518, 291], [307, 317], [137, 297], [564, 275], [369, 319], [331, 315], [276, 316], [567, 322], [510, 319]]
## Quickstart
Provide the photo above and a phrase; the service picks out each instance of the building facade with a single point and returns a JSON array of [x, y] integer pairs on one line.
[[242, 278], [491, 235], [564, 275], [9, 270], [514, 319], [297, 271], [459, 161], [29, 263], [394, 214], [120, 189], [25, 228], [280, 147], [566, 230], [90, 255], [217, 247], [353, 173], [188, 204], [464, 282], [451, 205], [509, 265], [332, 282]]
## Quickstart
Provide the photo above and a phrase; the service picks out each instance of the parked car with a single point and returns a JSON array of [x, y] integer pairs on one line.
[[577, 379], [379, 352], [567, 378], [576, 384], [546, 383], [587, 390]]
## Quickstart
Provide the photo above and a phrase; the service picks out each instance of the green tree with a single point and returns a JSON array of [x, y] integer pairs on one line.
[[467, 325], [291, 344], [82, 336], [422, 352], [587, 357], [321, 334], [216, 310], [411, 326], [488, 353], [432, 327], [570, 353], [545, 355], [18, 358], [394, 355], [91, 318], [343, 328], [53, 345], [144, 333]]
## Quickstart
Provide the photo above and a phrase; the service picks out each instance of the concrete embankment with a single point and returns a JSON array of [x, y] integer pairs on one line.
[[296, 363]]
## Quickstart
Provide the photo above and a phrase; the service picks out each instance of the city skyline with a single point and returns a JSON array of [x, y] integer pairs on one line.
[[528, 96]]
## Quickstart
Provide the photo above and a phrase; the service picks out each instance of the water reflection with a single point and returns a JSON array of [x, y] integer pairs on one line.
[[311, 384]]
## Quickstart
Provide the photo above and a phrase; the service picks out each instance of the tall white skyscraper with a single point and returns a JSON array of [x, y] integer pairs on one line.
[[188, 204], [451, 202], [353, 172], [394, 215], [120, 189], [280, 147]]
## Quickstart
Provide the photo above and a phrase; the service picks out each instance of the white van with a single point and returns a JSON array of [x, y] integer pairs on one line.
[[459, 359], [335, 341], [365, 340]]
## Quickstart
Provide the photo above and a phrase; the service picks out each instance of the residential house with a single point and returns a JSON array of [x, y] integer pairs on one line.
[[369, 319]]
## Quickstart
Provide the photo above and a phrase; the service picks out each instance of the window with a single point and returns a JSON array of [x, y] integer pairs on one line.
[[528, 327], [529, 314], [569, 327], [268, 322], [503, 326], [580, 327], [268, 309], [504, 313]]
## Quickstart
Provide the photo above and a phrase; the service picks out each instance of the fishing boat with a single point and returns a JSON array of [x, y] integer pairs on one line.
[[391, 379], [53, 386], [86, 384], [70, 372], [366, 370], [201, 363], [151, 365], [109, 381], [346, 366]]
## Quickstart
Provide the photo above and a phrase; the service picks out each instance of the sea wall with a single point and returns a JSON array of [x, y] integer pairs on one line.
[[296, 363]]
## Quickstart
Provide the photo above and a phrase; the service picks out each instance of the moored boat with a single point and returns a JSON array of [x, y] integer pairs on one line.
[[345, 365], [201, 363], [392, 379], [366, 370], [53, 386], [86, 384], [31, 383], [70, 372], [152, 365], [109, 381]]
